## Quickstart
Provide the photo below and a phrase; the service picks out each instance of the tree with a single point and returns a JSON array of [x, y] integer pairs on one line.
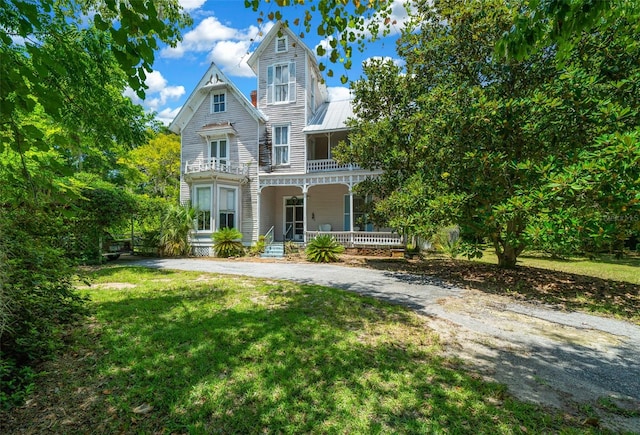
[[541, 23], [158, 163], [468, 137]]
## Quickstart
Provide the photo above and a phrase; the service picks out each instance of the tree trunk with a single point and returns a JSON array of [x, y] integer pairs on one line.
[[507, 258], [507, 254]]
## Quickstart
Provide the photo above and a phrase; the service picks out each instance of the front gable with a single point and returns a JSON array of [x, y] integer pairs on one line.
[[216, 90]]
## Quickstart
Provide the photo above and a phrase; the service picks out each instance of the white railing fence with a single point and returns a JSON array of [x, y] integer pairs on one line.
[[360, 238], [329, 165]]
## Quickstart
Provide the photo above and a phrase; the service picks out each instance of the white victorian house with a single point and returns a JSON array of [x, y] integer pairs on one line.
[[264, 165]]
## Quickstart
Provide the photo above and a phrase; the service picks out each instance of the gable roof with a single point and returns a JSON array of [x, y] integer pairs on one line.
[[213, 78], [331, 116], [278, 29]]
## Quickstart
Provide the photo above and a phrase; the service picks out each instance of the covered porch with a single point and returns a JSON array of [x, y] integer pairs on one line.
[[298, 208]]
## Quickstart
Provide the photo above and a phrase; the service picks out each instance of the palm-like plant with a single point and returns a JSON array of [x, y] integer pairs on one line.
[[178, 222], [324, 249], [226, 243]]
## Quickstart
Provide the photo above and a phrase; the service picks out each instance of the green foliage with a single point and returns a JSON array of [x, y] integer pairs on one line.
[[258, 247], [177, 224], [323, 249], [227, 243], [157, 166], [448, 241], [37, 297]]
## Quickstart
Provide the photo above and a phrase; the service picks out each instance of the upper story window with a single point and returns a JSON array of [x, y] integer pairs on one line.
[[281, 83], [218, 102], [281, 144], [281, 44], [219, 151]]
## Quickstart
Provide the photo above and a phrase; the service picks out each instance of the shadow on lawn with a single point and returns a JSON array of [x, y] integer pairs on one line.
[[565, 290], [287, 358]]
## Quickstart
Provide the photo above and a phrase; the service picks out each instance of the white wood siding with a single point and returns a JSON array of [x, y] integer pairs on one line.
[[292, 114], [243, 149]]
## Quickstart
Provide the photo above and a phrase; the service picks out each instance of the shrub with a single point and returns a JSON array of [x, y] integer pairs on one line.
[[448, 241], [176, 226], [324, 249], [259, 247], [226, 243], [37, 296]]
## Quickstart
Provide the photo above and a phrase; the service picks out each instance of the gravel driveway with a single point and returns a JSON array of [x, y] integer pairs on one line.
[[567, 360]]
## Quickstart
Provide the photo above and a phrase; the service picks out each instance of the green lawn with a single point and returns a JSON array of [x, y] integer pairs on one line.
[[605, 266], [180, 352]]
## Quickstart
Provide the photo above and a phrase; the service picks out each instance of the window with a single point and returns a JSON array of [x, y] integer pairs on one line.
[[281, 44], [281, 145], [202, 197], [219, 151], [218, 102], [360, 218], [281, 83], [227, 207]]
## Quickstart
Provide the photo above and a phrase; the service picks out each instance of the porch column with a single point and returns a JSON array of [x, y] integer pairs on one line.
[[258, 213], [304, 213], [351, 214]]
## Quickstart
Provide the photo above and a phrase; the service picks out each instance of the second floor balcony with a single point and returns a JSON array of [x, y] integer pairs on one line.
[[215, 166]]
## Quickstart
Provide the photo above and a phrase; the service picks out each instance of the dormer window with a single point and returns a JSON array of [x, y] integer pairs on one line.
[[281, 44]]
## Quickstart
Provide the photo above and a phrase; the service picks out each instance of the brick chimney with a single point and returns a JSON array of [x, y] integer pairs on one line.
[[254, 98]]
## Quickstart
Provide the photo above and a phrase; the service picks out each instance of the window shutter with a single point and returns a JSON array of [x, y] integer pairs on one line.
[[292, 81], [270, 85]]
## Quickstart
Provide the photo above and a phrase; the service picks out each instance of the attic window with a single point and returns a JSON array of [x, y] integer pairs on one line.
[[281, 44]]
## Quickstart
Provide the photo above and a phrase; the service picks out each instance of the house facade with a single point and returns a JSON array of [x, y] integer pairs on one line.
[[264, 165]]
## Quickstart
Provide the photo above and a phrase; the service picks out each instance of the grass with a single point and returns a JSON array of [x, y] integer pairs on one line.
[[181, 352]]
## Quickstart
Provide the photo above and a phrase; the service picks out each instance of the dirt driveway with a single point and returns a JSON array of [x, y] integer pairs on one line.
[[567, 360]]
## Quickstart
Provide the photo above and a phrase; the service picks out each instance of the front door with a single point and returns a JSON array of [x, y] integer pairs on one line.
[[294, 219]]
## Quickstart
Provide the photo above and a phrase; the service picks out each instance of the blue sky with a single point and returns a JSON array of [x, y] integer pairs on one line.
[[226, 33]]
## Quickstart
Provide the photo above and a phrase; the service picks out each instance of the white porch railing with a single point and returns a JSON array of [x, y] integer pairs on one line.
[[360, 238], [328, 165], [213, 164]]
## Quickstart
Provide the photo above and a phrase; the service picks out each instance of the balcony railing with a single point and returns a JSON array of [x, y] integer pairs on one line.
[[327, 165], [214, 165], [360, 238]]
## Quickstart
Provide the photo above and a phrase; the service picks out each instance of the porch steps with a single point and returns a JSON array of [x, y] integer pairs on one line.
[[274, 250]]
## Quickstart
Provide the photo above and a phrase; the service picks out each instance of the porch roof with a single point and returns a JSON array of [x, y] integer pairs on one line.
[[330, 116]]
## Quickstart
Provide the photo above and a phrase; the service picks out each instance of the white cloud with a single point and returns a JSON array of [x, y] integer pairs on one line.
[[231, 57], [167, 115], [201, 38], [191, 4], [396, 61], [338, 93], [158, 92]]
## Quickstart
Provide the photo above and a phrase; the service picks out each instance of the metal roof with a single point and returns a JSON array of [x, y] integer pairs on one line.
[[330, 116]]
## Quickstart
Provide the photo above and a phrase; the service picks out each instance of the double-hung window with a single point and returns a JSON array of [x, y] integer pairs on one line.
[[281, 83], [227, 207], [202, 202], [281, 145], [218, 102]]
